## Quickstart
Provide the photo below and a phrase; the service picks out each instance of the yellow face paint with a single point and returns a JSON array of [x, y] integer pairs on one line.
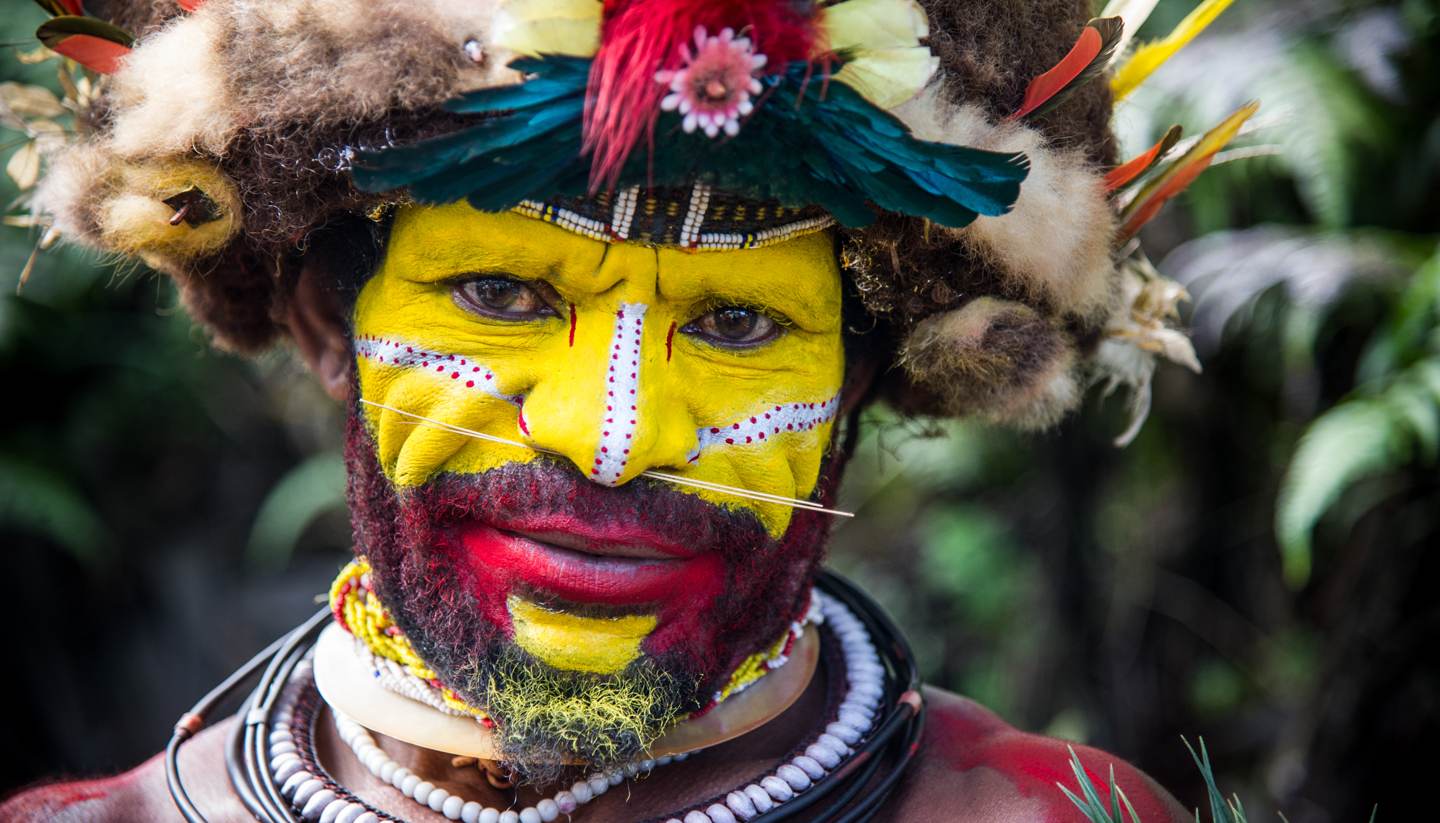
[[600, 645], [617, 375]]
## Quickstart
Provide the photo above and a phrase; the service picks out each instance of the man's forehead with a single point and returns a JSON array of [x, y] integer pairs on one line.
[[439, 242]]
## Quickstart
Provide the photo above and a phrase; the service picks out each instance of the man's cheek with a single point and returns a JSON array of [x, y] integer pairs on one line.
[[410, 389], [756, 439]]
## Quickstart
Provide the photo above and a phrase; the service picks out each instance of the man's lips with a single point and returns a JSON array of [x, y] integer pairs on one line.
[[610, 565]]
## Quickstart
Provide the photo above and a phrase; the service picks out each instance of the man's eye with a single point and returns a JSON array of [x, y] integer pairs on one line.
[[734, 326], [503, 298]]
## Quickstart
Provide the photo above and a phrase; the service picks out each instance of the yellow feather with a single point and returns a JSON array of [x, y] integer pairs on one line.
[[886, 64], [1152, 56], [536, 27]]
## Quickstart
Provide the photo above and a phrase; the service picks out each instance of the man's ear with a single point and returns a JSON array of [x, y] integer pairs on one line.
[[315, 318]]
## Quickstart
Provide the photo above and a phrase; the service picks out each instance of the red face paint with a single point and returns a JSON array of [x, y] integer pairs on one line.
[[669, 341], [573, 322], [446, 556]]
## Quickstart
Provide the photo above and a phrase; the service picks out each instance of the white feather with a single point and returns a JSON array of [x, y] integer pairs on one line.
[[1134, 13]]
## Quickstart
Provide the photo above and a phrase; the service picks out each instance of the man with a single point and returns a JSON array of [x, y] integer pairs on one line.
[[603, 325]]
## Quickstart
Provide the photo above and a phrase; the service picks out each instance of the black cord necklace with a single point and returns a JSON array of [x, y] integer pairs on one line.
[[853, 791]]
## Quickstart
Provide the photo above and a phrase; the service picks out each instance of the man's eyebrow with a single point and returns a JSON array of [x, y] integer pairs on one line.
[[460, 259]]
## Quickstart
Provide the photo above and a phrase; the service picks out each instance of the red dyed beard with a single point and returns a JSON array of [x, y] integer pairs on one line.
[[452, 605]]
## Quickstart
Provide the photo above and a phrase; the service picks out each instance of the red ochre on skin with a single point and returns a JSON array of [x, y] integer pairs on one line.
[[971, 743]]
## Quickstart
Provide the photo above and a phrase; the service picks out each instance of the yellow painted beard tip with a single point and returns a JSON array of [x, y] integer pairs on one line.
[[598, 645]]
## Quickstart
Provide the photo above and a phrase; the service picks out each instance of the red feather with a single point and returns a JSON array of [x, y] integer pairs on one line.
[[1122, 176], [641, 37], [1086, 60], [190, 5], [94, 53]]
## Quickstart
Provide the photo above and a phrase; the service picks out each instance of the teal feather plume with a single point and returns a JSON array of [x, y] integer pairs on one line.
[[808, 143]]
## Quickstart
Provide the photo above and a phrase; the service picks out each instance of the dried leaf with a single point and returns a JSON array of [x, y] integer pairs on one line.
[[85, 90], [24, 166], [36, 55], [30, 101], [24, 221]]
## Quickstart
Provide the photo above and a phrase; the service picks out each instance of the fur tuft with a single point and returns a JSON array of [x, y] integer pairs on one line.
[[135, 220], [191, 109], [996, 360], [77, 180], [1054, 247]]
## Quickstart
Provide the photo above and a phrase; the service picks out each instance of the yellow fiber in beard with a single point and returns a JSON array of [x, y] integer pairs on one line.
[[599, 645]]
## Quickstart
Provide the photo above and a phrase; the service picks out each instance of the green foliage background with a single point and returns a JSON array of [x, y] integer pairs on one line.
[[1254, 569]]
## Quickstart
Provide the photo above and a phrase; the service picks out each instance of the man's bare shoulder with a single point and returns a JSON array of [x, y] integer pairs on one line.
[[973, 766], [139, 794]]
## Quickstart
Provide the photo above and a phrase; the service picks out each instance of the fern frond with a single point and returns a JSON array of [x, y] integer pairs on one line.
[[1394, 419], [1359, 438]]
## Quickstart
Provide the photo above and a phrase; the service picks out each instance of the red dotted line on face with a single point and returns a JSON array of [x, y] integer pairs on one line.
[[461, 370], [622, 384], [777, 420]]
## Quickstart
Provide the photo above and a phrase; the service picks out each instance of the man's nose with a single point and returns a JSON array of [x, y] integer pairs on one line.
[[610, 406]]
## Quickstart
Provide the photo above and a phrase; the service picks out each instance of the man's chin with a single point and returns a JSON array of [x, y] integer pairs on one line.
[[547, 718]]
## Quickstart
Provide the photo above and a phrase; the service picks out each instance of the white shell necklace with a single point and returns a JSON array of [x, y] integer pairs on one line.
[[865, 677]]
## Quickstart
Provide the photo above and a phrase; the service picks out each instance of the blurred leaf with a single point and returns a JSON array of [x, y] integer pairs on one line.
[[1226, 271], [311, 489], [1216, 688], [968, 555], [1409, 326], [39, 502], [1356, 439], [1331, 119]]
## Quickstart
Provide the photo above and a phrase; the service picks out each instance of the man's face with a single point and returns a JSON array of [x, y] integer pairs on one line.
[[551, 582]]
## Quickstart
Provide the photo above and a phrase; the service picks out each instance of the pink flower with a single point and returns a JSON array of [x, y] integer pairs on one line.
[[713, 87]]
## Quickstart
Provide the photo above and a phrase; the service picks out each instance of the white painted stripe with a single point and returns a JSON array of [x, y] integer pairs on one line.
[[460, 371], [622, 396], [770, 421]]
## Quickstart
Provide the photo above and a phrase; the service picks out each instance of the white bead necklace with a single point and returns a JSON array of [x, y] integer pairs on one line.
[[866, 678], [425, 793], [864, 674]]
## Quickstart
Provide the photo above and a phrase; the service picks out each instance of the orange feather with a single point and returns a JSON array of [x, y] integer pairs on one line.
[[1122, 176], [1180, 174]]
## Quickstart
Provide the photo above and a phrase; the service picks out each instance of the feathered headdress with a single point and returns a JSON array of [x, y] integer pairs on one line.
[[960, 145]]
